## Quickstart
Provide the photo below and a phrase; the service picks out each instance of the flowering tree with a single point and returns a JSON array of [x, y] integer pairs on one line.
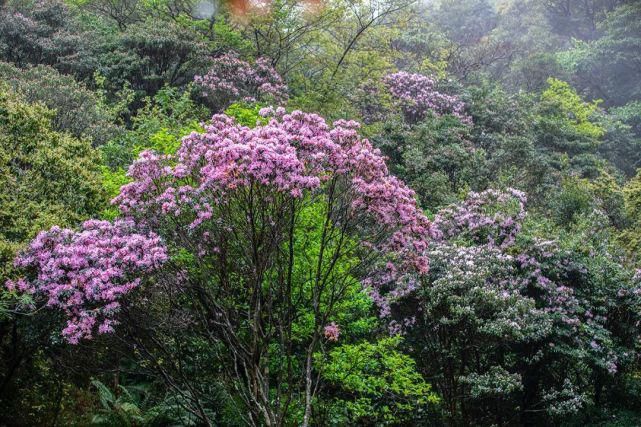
[[417, 96], [508, 324], [85, 273], [230, 78], [264, 231], [491, 218]]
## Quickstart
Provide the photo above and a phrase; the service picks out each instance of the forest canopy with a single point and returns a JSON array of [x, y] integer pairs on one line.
[[320, 212]]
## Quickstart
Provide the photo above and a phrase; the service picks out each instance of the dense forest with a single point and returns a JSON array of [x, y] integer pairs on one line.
[[320, 212]]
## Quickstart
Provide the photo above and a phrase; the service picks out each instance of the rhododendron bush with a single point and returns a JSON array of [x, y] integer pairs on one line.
[[231, 78], [516, 310], [86, 273], [260, 226], [417, 96]]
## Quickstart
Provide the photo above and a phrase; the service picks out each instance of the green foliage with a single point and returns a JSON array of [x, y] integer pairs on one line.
[[568, 135], [132, 406], [608, 66], [159, 125], [631, 237], [630, 114], [497, 382], [465, 21], [572, 201], [578, 112], [622, 141], [436, 158], [46, 178], [78, 111], [353, 310], [152, 56], [226, 35], [246, 115], [610, 198], [632, 193], [39, 33], [112, 181], [378, 384]]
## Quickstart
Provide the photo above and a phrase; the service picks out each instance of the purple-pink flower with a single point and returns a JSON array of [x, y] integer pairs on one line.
[[293, 154], [416, 95], [332, 332], [491, 217], [295, 157], [86, 273], [230, 79]]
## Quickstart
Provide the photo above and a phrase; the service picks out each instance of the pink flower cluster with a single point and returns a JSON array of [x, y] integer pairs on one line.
[[493, 217], [231, 78], [416, 95], [86, 273], [476, 248], [297, 155], [332, 332], [293, 154]]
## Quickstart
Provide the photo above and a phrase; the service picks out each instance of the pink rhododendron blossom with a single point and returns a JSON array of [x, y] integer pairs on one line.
[[332, 332], [293, 154], [417, 96], [294, 158], [478, 217], [477, 264], [230, 78], [86, 273]]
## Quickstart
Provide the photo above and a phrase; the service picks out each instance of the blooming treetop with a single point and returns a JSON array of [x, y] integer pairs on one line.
[[492, 217], [295, 156], [292, 154], [86, 273], [475, 251], [417, 96], [232, 78]]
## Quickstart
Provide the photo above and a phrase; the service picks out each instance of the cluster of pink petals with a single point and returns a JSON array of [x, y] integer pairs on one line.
[[297, 155], [417, 96], [230, 78], [87, 272], [491, 221], [332, 332], [486, 217], [293, 154]]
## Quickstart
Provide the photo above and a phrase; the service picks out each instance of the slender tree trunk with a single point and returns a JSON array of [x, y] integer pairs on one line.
[[308, 387]]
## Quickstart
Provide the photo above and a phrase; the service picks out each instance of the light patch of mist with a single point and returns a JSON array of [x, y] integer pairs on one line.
[[496, 4], [205, 9]]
